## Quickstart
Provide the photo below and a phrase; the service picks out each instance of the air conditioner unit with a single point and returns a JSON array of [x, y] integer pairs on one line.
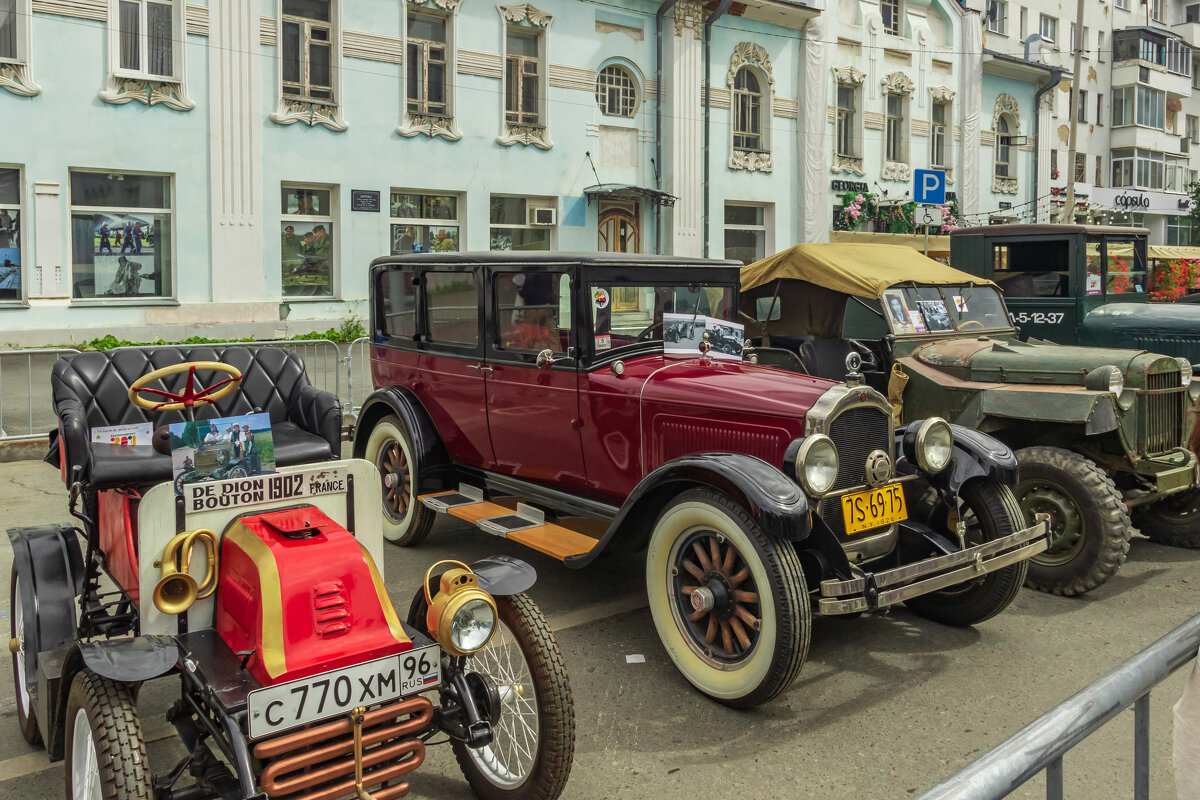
[[541, 216]]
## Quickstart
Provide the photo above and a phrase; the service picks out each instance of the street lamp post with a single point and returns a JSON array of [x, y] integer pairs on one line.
[[1075, 104]]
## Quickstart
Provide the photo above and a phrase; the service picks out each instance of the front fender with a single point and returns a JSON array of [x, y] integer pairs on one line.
[[975, 455], [132, 660], [427, 444], [1094, 410], [772, 499]]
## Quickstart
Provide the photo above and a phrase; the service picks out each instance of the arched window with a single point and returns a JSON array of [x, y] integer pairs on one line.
[[747, 111], [616, 92], [1003, 147]]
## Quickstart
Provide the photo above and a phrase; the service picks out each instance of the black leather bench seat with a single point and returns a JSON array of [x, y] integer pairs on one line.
[[92, 390]]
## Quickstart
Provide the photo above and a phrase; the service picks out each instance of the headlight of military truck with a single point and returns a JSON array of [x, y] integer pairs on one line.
[[1185, 371], [1105, 379]]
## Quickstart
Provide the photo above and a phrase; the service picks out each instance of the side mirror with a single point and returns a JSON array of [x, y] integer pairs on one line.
[[545, 359]]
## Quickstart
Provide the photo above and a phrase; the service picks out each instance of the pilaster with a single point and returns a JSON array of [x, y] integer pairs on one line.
[[684, 133], [970, 92], [813, 134]]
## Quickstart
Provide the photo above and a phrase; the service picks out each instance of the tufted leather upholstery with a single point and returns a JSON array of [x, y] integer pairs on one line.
[[92, 390]]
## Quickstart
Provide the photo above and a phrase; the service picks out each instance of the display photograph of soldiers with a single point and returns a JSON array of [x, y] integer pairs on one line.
[[125, 256], [10, 254], [306, 249]]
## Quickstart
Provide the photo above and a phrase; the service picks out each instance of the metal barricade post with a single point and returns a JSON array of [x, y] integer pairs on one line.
[[28, 414]]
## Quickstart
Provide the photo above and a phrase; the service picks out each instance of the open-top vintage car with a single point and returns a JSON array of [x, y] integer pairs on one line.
[[215, 461], [264, 598], [1097, 431], [531, 395]]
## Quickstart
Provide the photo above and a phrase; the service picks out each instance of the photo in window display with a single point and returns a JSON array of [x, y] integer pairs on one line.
[[125, 256], [10, 254], [307, 252], [410, 205], [424, 238]]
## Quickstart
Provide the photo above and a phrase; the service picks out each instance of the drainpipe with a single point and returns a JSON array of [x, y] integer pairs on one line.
[[721, 9], [1056, 74], [658, 148]]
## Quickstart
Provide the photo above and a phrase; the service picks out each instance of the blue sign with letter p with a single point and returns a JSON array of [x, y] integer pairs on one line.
[[929, 186]]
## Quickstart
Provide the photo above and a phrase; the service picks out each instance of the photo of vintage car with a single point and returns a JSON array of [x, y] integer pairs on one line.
[[263, 598], [1099, 433], [215, 461], [758, 496]]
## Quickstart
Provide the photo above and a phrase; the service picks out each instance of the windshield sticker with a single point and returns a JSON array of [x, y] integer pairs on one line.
[[918, 322], [604, 342], [960, 303], [898, 311], [124, 435], [936, 318], [600, 297], [1093, 283]]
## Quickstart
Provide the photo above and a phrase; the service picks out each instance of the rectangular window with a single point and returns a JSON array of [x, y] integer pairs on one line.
[[1087, 38], [1081, 110], [1081, 168], [517, 223], [306, 49], [308, 255], [10, 233], [846, 132], [425, 52], [1151, 108], [745, 232], [1053, 163], [1100, 54], [1193, 128], [424, 223], [397, 303], [997, 18], [1099, 181], [937, 135], [121, 229], [533, 311], [522, 78], [1099, 109], [9, 40], [1176, 175], [1123, 4], [894, 129], [890, 9], [1156, 10], [452, 307], [1122, 168], [1179, 231], [1122, 105], [1024, 21], [1048, 27], [145, 37]]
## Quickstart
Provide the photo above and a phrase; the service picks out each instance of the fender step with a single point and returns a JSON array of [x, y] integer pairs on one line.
[[510, 518]]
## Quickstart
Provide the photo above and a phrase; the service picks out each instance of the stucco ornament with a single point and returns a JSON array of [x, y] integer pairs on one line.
[[525, 134], [18, 79], [429, 125], [125, 90], [1006, 104], [849, 75], [525, 13], [1004, 185], [895, 171], [291, 110], [750, 160], [435, 126], [897, 83], [445, 5], [854, 166], [689, 16], [942, 94], [749, 53]]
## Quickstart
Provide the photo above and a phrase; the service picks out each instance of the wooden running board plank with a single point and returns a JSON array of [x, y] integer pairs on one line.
[[554, 540], [477, 511]]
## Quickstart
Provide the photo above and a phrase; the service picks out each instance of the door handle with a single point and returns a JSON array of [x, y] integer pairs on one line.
[[480, 367]]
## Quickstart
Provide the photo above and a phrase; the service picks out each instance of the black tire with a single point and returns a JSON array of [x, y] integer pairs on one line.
[[237, 472], [179, 485], [991, 512], [110, 710], [1090, 526], [1173, 521], [20, 618], [544, 676], [406, 521], [758, 656]]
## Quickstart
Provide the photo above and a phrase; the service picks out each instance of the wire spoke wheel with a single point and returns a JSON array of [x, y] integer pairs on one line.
[[716, 598], [509, 759], [22, 649]]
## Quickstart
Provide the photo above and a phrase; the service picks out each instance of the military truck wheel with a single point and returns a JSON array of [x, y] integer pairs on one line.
[[729, 602], [990, 512], [406, 521], [1173, 521], [1089, 523]]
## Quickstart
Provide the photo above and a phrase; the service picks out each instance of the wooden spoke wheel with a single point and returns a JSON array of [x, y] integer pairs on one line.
[[717, 597], [406, 521]]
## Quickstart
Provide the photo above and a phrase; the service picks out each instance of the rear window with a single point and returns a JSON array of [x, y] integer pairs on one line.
[[452, 305], [397, 304]]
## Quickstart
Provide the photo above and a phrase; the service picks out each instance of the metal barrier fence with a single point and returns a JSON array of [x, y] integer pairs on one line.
[[26, 407], [1042, 744], [358, 375]]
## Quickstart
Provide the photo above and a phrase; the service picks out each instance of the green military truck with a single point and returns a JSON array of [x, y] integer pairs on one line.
[[1099, 433]]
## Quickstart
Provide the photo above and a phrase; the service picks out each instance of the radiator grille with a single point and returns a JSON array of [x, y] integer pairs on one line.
[[1162, 414], [856, 432]]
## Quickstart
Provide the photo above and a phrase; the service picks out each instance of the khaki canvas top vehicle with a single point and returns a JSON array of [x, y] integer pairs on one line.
[[1100, 433]]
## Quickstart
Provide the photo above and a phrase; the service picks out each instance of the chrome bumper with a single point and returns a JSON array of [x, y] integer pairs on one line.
[[870, 591]]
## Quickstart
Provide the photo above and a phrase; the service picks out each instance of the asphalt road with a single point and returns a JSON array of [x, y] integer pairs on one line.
[[885, 707]]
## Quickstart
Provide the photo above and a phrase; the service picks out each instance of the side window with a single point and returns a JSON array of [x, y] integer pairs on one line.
[[398, 304], [533, 311], [1033, 269], [452, 306]]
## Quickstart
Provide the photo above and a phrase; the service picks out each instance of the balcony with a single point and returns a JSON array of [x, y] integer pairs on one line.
[[1155, 57]]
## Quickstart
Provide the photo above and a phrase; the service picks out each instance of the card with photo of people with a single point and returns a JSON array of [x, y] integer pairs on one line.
[[221, 448]]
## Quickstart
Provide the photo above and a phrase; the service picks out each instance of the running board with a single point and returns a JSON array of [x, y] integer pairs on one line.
[[511, 519]]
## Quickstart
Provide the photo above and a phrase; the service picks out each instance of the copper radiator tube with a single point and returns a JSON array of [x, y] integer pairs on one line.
[[317, 763]]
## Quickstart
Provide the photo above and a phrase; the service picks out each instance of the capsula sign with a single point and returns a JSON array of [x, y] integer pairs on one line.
[[1140, 202]]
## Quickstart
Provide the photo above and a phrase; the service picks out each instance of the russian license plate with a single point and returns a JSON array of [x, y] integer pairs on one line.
[[876, 508], [275, 709]]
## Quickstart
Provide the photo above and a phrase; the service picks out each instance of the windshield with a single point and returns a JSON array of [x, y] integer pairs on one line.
[[624, 314], [943, 309], [1120, 268]]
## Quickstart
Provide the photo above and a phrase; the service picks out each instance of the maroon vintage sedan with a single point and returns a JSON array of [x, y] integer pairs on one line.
[[577, 403]]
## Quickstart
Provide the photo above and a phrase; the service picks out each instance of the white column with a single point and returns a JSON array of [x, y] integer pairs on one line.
[[970, 90], [683, 133], [48, 280], [813, 139], [235, 148]]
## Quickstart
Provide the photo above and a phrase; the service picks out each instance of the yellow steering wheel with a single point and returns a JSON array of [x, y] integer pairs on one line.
[[170, 401]]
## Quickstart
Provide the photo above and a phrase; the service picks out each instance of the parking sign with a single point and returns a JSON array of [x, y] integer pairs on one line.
[[929, 186]]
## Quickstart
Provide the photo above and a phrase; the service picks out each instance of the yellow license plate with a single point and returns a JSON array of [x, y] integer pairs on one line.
[[864, 511]]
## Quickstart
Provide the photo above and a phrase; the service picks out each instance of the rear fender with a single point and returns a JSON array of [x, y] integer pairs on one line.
[[772, 499], [430, 452], [975, 455]]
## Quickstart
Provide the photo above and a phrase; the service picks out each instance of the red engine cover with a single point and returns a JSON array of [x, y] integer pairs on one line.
[[303, 594]]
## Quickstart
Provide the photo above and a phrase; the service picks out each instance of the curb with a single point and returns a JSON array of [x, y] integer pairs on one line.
[[24, 450]]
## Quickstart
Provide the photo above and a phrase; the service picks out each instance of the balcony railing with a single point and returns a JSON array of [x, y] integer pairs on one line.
[[1154, 47]]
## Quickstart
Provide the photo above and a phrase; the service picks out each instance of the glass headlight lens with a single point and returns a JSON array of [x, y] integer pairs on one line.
[[1185, 371], [817, 464], [935, 444], [472, 626], [1105, 379], [1116, 381]]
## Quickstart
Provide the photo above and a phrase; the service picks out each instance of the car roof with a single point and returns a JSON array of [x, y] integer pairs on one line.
[[503, 257]]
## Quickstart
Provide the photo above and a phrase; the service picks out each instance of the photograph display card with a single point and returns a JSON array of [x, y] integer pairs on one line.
[[221, 448], [682, 334]]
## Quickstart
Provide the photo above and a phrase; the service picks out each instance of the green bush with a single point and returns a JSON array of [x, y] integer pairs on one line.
[[350, 329]]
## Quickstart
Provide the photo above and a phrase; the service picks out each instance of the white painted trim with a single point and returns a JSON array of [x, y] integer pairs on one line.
[[289, 110], [16, 75], [416, 124], [124, 85], [525, 15]]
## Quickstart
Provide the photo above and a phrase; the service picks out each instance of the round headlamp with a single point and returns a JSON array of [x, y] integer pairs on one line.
[[461, 616], [934, 444], [817, 464], [1105, 379], [1185, 371]]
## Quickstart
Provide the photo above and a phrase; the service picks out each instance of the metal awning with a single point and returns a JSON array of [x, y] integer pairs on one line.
[[617, 189]]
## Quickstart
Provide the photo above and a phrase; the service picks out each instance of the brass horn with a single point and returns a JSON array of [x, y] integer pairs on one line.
[[176, 589]]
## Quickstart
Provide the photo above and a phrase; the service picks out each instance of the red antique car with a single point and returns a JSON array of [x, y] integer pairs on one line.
[[532, 395]]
